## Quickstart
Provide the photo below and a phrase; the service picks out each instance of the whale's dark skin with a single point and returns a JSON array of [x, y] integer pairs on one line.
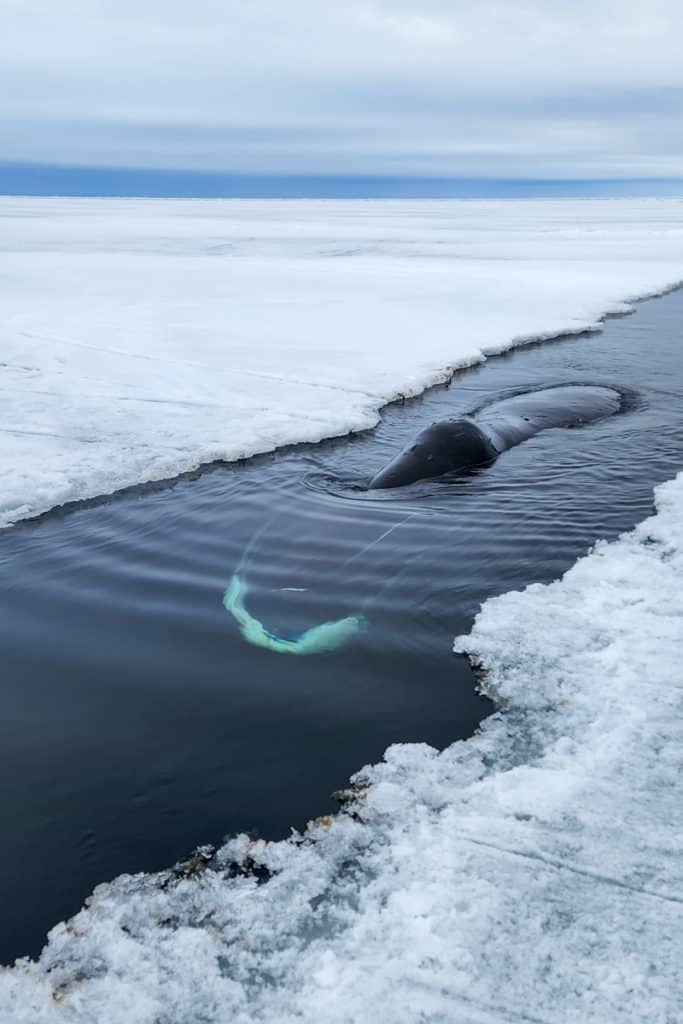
[[461, 444], [441, 448]]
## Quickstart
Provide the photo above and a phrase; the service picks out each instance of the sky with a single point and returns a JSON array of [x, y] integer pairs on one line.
[[539, 89]]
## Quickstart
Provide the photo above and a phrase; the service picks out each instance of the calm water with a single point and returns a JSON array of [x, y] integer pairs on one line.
[[136, 720]]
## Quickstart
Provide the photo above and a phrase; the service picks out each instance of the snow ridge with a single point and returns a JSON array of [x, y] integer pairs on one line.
[[530, 874]]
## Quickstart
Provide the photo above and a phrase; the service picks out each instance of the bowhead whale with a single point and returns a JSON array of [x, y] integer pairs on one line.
[[456, 445], [451, 445]]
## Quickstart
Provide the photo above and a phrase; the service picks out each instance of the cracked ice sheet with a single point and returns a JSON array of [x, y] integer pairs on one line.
[[533, 873], [142, 338]]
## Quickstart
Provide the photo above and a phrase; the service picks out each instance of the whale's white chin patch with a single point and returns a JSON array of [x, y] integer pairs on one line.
[[328, 636]]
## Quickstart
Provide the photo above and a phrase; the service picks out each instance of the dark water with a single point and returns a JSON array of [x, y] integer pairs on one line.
[[137, 722], [30, 179]]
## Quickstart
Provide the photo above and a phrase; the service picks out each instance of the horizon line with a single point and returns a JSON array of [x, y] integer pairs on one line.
[[34, 179]]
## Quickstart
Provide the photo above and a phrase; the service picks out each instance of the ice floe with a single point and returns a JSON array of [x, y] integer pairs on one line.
[[142, 338], [533, 873]]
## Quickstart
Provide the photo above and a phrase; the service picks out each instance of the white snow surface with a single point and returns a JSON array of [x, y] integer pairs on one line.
[[530, 874], [142, 338]]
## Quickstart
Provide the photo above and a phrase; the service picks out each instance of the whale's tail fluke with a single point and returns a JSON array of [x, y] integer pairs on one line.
[[320, 639]]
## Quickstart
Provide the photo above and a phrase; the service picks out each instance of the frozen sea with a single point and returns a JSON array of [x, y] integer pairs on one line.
[[143, 338], [529, 873]]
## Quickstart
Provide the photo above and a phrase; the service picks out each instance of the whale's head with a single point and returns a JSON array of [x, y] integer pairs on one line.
[[450, 446]]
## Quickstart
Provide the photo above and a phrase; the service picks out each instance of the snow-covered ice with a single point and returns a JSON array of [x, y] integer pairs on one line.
[[142, 338], [533, 873]]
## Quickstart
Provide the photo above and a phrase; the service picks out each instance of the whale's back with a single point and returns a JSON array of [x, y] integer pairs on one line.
[[460, 444], [514, 419]]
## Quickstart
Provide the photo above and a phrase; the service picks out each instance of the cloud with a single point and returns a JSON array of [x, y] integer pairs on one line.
[[553, 88]]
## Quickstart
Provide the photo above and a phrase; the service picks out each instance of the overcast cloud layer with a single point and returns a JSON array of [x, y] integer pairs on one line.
[[545, 88]]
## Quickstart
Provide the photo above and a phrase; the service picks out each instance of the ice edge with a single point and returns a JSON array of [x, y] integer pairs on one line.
[[364, 420], [475, 884]]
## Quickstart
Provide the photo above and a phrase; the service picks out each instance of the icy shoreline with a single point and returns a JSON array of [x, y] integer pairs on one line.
[[142, 339], [531, 873]]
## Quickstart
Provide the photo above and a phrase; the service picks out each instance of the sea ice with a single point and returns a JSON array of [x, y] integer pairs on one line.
[[142, 338], [530, 874]]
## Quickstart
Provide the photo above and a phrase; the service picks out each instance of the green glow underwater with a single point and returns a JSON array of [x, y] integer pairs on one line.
[[328, 636]]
